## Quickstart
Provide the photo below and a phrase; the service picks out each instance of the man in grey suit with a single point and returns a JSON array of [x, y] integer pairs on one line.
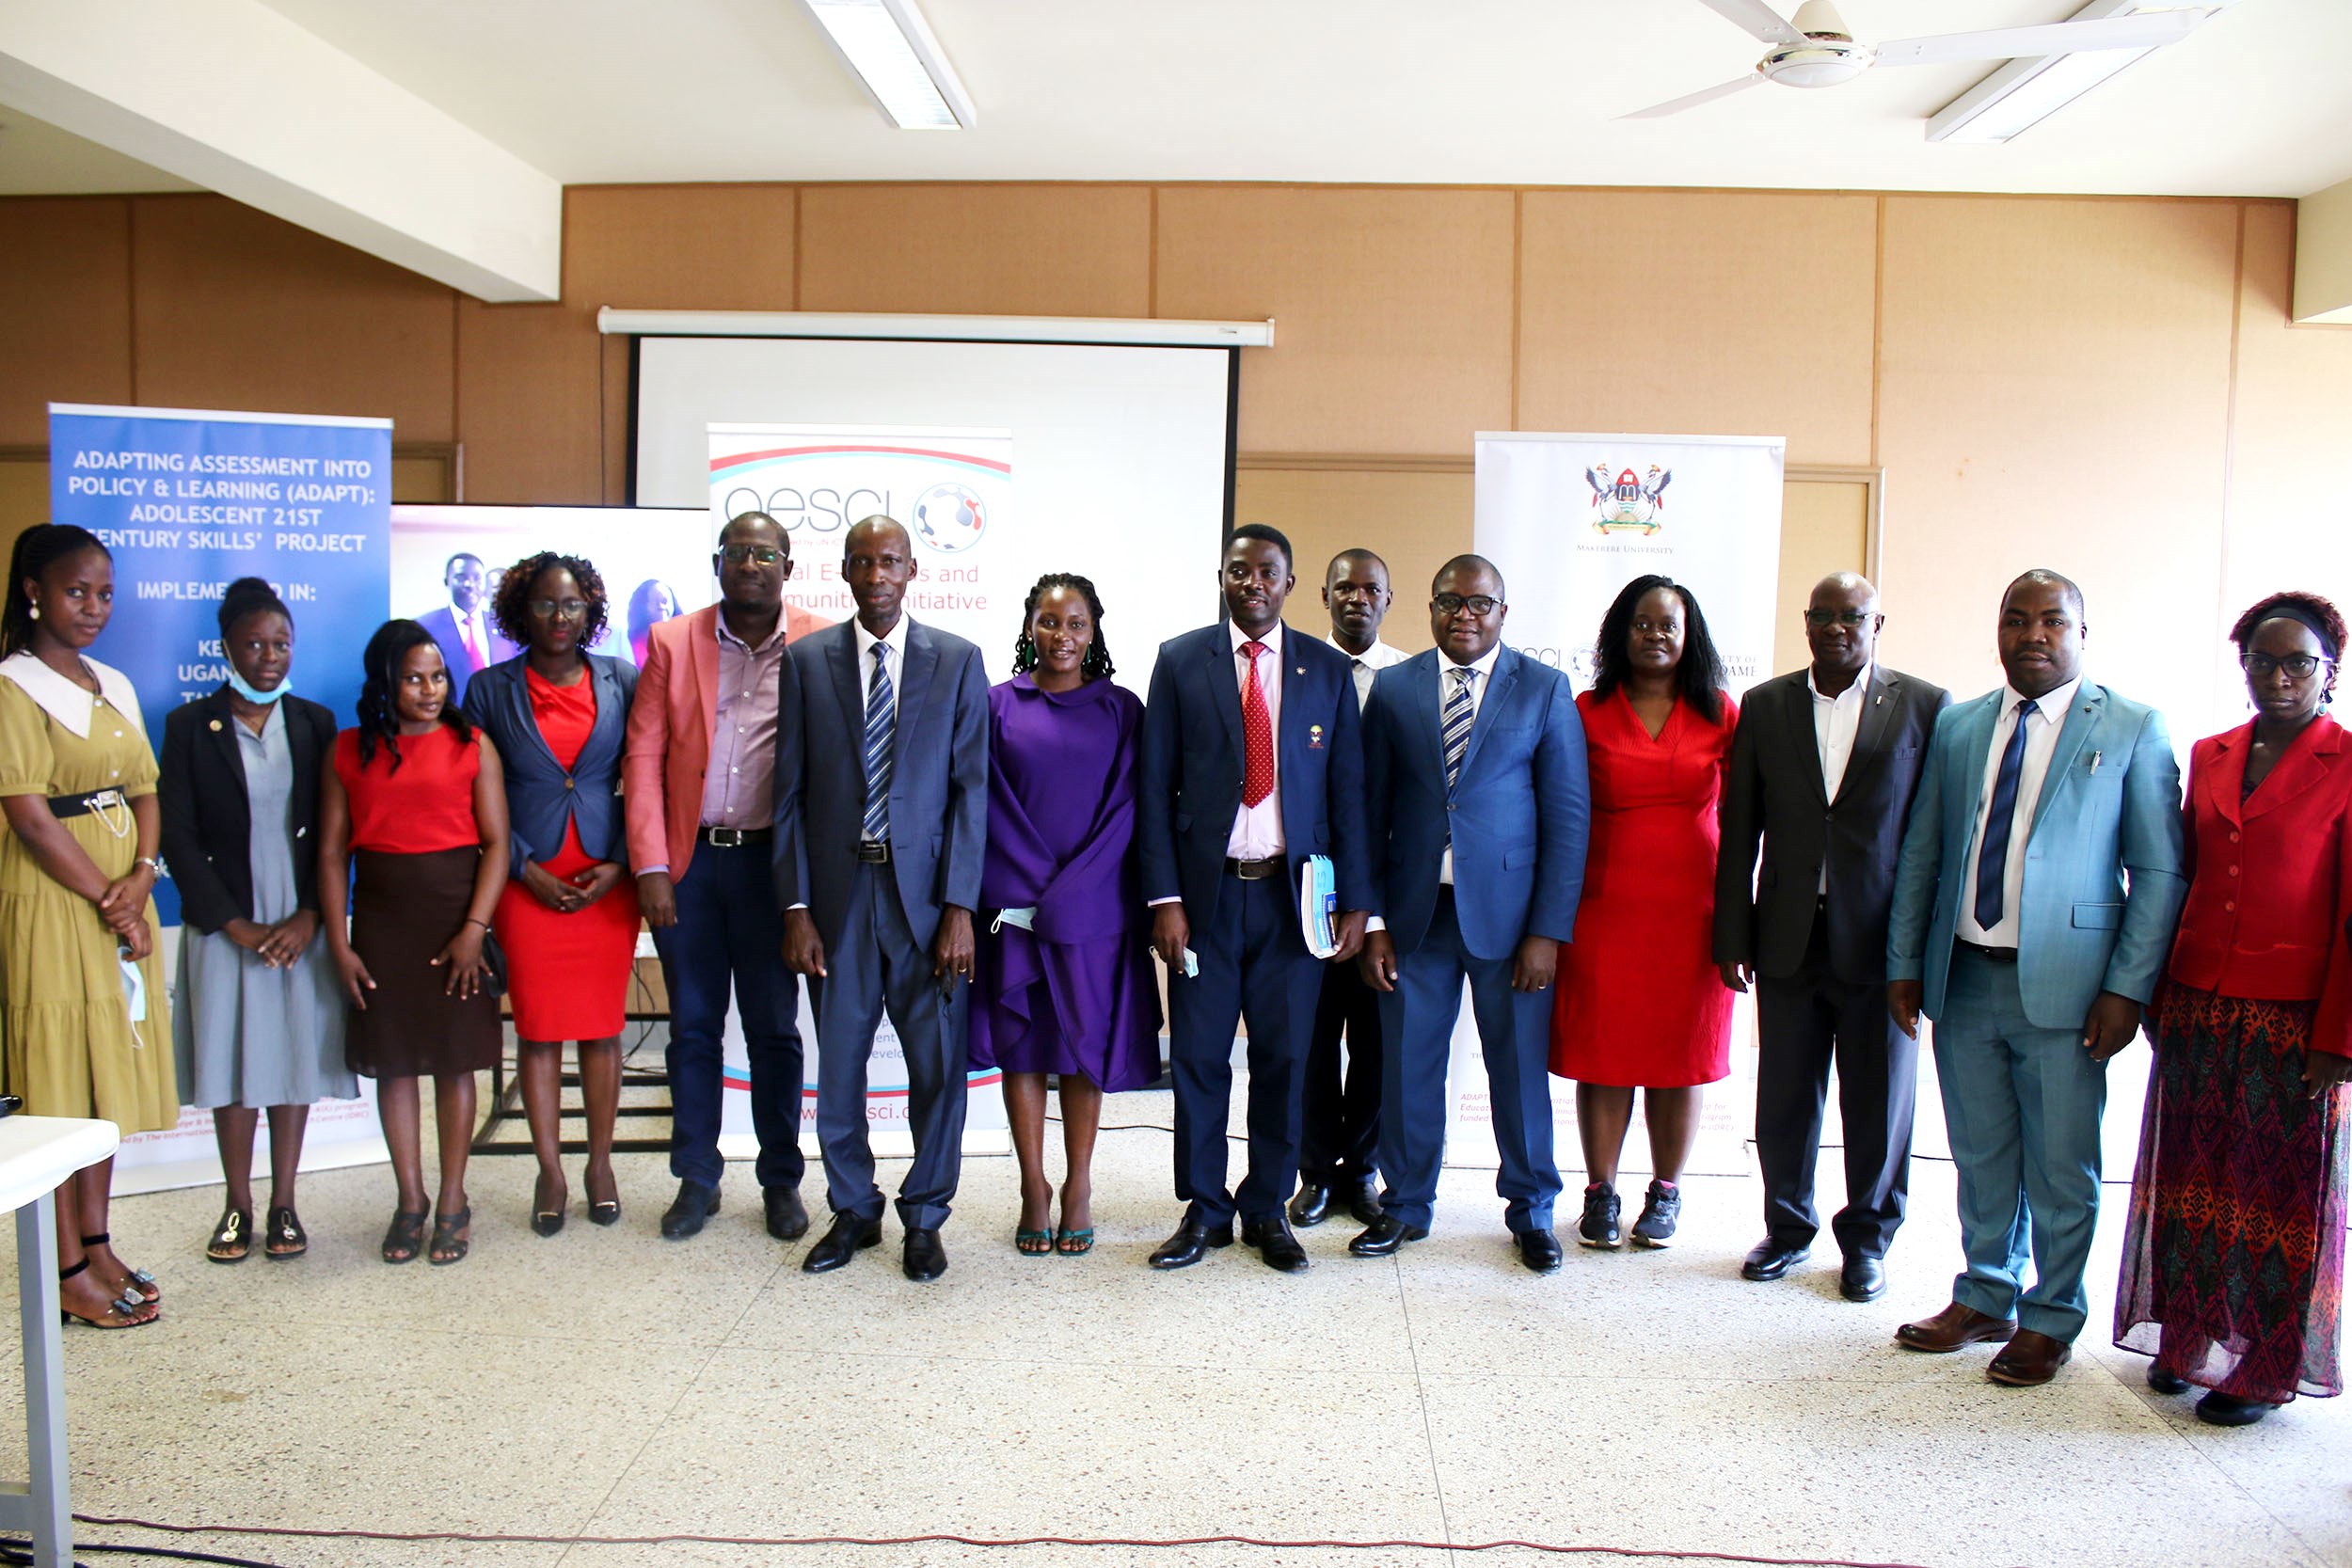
[[882, 814], [1823, 769], [2041, 878]]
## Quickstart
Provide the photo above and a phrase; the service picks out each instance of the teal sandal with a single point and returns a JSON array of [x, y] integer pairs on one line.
[[1033, 1243], [1073, 1244]]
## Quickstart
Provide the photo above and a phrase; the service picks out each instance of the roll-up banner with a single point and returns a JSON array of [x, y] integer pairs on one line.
[[189, 502], [1570, 519]]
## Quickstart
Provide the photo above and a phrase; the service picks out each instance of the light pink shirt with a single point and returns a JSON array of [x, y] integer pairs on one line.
[[1258, 829], [738, 791]]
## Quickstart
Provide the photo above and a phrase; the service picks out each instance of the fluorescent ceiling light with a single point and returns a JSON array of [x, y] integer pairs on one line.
[[2023, 93], [899, 63]]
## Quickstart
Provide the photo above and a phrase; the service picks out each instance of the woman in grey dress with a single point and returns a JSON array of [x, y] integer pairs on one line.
[[258, 1019]]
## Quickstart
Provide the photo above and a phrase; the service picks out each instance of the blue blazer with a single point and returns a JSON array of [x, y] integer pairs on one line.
[[938, 778], [1519, 815], [1189, 782], [542, 797], [2104, 869]]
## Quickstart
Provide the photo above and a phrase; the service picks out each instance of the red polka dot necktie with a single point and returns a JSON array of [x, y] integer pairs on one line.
[[1257, 731]]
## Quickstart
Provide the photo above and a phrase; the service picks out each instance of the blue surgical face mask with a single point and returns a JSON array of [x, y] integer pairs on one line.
[[237, 684]]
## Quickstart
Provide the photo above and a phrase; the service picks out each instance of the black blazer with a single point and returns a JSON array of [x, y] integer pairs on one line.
[[208, 818], [1775, 792]]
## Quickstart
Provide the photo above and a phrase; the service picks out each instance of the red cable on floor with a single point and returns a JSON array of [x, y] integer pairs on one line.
[[296, 1532]]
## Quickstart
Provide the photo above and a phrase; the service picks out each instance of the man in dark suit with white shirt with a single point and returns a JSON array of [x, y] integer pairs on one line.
[[1823, 770]]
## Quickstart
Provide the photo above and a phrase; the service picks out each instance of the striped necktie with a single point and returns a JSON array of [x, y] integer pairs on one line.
[[882, 719], [1456, 724]]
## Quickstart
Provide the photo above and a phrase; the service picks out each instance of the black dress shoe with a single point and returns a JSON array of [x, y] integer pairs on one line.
[[1862, 1279], [1276, 1247], [923, 1258], [693, 1204], [1538, 1249], [2166, 1383], [1192, 1240], [1363, 1200], [2227, 1410], [1385, 1236], [843, 1240], [1312, 1204], [788, 1216], [1768, 1259]]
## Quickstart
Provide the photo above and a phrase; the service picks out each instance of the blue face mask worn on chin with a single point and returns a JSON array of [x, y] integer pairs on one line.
[[237, 684]]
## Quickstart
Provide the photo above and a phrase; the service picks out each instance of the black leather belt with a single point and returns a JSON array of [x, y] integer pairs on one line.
[[872, 853], [1989, 955], [735, 838], [65, 806], [1254, 871]]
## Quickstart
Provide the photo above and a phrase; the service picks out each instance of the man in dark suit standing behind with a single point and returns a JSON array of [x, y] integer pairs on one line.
[[882, 817], [1252, 762], [1823, 770]]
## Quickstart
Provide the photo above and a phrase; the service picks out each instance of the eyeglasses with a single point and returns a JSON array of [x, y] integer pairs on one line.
[[1850, 619], [2301, 666], [547, 610], [736, 555], [1480, 605]]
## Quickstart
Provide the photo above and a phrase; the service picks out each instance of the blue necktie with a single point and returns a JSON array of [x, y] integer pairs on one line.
[[881, 717], [1992, 857]]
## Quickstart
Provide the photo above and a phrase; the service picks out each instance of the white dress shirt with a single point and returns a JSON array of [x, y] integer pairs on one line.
[[895, 641], [1364, 666], [1258, 829], [1835, 721], [2041, 735]]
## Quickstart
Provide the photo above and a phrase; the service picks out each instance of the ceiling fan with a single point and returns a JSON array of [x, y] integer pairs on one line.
[[1818, 50]]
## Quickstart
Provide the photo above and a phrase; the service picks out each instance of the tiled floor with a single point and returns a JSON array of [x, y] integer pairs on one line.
[[605, 1383]]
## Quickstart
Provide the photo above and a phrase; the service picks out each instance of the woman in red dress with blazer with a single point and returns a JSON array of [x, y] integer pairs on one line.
[[2234, 1264], [1639, 1002]]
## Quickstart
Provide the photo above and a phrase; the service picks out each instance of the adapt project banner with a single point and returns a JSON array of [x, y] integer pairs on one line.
[[953, 490], [1570, 519], [187, 502]]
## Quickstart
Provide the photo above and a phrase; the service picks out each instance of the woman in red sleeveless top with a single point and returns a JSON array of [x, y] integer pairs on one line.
[[416, 806]]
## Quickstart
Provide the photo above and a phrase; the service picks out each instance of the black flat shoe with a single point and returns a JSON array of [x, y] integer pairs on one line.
[[2166, 1383], [1276, 1247], [1862, 1279], [284, 1236], [1539, 1250], [2228, 1410], [1385, 1236], [232, 1238], [1768, 1259], [922, 1259], [1191, 1242], [693, 1204], [843, 1240], [788, 1216], [1313, 1205]]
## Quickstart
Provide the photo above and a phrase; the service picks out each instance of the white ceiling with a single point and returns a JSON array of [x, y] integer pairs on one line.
[[37, 158], [1472, 91]]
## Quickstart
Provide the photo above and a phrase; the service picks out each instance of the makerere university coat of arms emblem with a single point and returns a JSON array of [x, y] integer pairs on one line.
[[1624, 501]]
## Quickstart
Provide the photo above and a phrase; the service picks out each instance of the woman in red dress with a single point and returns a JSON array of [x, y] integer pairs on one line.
[[569, 916], [1639, 1002]]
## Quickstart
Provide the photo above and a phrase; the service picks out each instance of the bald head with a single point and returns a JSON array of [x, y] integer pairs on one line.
[[1841, 629], [877, 563], [872, 529]]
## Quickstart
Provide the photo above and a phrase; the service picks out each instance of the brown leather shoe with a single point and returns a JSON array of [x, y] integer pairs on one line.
[[2029, 1360], [1951, 1328]]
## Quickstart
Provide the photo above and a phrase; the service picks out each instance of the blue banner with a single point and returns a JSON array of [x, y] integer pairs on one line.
[[188, 502]]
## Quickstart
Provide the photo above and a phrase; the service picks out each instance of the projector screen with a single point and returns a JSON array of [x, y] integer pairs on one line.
[[1007, 461]]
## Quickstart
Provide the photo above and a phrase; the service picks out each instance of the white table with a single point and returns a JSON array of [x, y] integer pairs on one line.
[[36, 1154]]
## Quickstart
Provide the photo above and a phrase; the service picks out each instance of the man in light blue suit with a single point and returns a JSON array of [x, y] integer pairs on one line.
[[2041, 874], [1478, 815], [881, 820]]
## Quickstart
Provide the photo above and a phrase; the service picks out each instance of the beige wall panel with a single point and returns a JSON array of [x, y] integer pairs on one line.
[[1414, 521], [65, 311], [2054, 392], [989, 250], [2291, 476], [613, 378], [237, 310], [1824, 527], [528, 408], [1393, 311], [679, 248], [23, 496], [1704, 313]]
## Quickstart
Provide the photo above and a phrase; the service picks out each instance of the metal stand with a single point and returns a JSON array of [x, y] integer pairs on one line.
[[40, 1506]]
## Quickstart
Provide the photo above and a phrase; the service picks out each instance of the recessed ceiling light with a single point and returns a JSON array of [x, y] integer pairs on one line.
[[890, 48]]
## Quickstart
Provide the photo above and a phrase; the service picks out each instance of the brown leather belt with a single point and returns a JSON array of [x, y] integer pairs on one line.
[[1989, 955], [1254, 871]]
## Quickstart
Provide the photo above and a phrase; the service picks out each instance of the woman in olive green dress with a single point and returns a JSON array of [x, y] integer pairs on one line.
[[86, 1029]]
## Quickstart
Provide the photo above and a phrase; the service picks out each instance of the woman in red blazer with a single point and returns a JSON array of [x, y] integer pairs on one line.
[[2234, 1264]]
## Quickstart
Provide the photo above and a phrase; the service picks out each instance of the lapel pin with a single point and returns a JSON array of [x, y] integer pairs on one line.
[[1315, 738], [215, 726]]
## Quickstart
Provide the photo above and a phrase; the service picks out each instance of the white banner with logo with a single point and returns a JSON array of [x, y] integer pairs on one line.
[[1570, 519]]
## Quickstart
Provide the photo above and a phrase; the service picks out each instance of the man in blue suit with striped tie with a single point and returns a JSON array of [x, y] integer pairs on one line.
[[1478, 816], [2041, 876], [881, 818]]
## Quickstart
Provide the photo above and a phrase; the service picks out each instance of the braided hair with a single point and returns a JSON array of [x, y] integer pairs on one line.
[[38, 548], [250, 597], [1699, 676], [510, 606], [1097, 654], [379, 721]]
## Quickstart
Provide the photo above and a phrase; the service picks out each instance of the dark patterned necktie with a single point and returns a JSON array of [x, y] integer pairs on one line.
[[1993, 857], [1456, 722], [882, 719]]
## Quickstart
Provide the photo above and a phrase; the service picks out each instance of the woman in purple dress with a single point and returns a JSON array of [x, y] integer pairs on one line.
[[1064, 983]]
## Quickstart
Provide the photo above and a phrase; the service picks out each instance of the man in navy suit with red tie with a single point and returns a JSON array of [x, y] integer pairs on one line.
[[1252, 762]]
